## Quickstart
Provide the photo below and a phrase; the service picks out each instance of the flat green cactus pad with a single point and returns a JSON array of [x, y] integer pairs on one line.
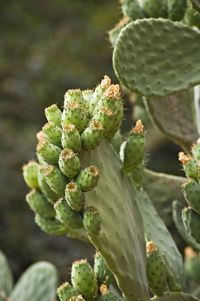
[[121, 239], [38, 283], [156, 231], [6, 278], [180, 127], [177, 217], [157, 57], [175, 297]]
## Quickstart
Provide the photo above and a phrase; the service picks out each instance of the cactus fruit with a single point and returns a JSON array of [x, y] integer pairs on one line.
[[71, 138], [74, 196], [69, 163], [30, 174], [53, 133], [190, 166], [104, 275], [39, 204], [53, 114], [191, 191], [156, 270], [66, 291], [51, 196], [55, 179], [48, 152], [92, 221], [88, 178], [92, 135], [83, 279], [50, 226]]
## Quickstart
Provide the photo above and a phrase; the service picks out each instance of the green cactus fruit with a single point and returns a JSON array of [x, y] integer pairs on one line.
[[138, 63], [74, 196], [192, 265], [83, 279], [55, 179], [75, 96], [92, 221], [196, 150], [192, 17], [191, 191], [76, 114], [176, 9], [45, 188], [155, 8], [48, 152], [114, 32], [38, 283], [134, 148], [50, 226], [70, 218], [66, 291], [6, 278], [190, 166], [71, 138], [30, 174], [53, 114], [92, 135], [53, 133], [191, 221], [196, 5], [69, 163], [138, 175], [156, 270], [88, 178], [106, 294], [39, 204], [132, 9], [103, 274], [87, 95]]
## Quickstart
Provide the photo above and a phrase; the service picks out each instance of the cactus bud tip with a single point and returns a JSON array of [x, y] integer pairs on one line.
[[183, 158], [139, 128], [150, 247]]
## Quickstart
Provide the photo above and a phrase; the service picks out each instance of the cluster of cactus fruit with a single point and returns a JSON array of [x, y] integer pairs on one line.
[[91, 183]]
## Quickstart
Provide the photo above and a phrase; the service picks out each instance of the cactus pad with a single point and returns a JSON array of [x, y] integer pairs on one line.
[[6, 278], [164, 61], [175, 297]]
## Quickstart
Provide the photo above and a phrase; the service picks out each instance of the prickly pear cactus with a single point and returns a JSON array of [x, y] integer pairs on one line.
[[6, 278]]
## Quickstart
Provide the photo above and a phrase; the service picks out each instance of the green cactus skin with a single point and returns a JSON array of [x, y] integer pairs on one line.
[[92, 221], [191, 191], [134, 148], [92, 135], [175, 297], [74, 113], [106, 294], [176, 9], [190, 166], [155, 9], [83, 279], [71, 138], [118, 200], [70, 218], [192, 265], [156, 231], [105, 117], [156, 270], [39, 204], [50, 226], [74, 196], [88, 178], [196, 151], [69, 163], [196, 5], [177, 217], [48, 152], [6, 278], [38, 283], [56, 180], [76, 96], [53, 114], [66, 291], [51, 196], [52, 133], [104, 275], [148, 74], [132, 9], [30, 174], [88, 96], [191, 220], [192, 17]]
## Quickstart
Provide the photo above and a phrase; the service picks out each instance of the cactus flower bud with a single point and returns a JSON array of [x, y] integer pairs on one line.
[[70, 218], [51, 196], [48, 152], [74, 196], [39, 204], [92, 135], [30, 174], [71, 138], [75, 96], [50, 226], [104, 275], [83, 279], [88, 178], [92, 221], [69, 163], [53, 113], [66, 291], [56, 180], [52, 133]]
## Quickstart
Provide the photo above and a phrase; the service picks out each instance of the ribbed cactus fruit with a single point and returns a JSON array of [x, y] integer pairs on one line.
[[53, 114], [39, 282], [48, 152], [30, 174], [88, 178], [104, 275], [92, 221], [39, 204], [83, 279], [71, 138], [74, 196], [69, 163], [139, 66], [156, 269], [50, 226], [52, 133]]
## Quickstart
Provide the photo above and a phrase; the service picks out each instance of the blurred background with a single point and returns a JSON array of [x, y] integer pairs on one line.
[[47, 47]]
